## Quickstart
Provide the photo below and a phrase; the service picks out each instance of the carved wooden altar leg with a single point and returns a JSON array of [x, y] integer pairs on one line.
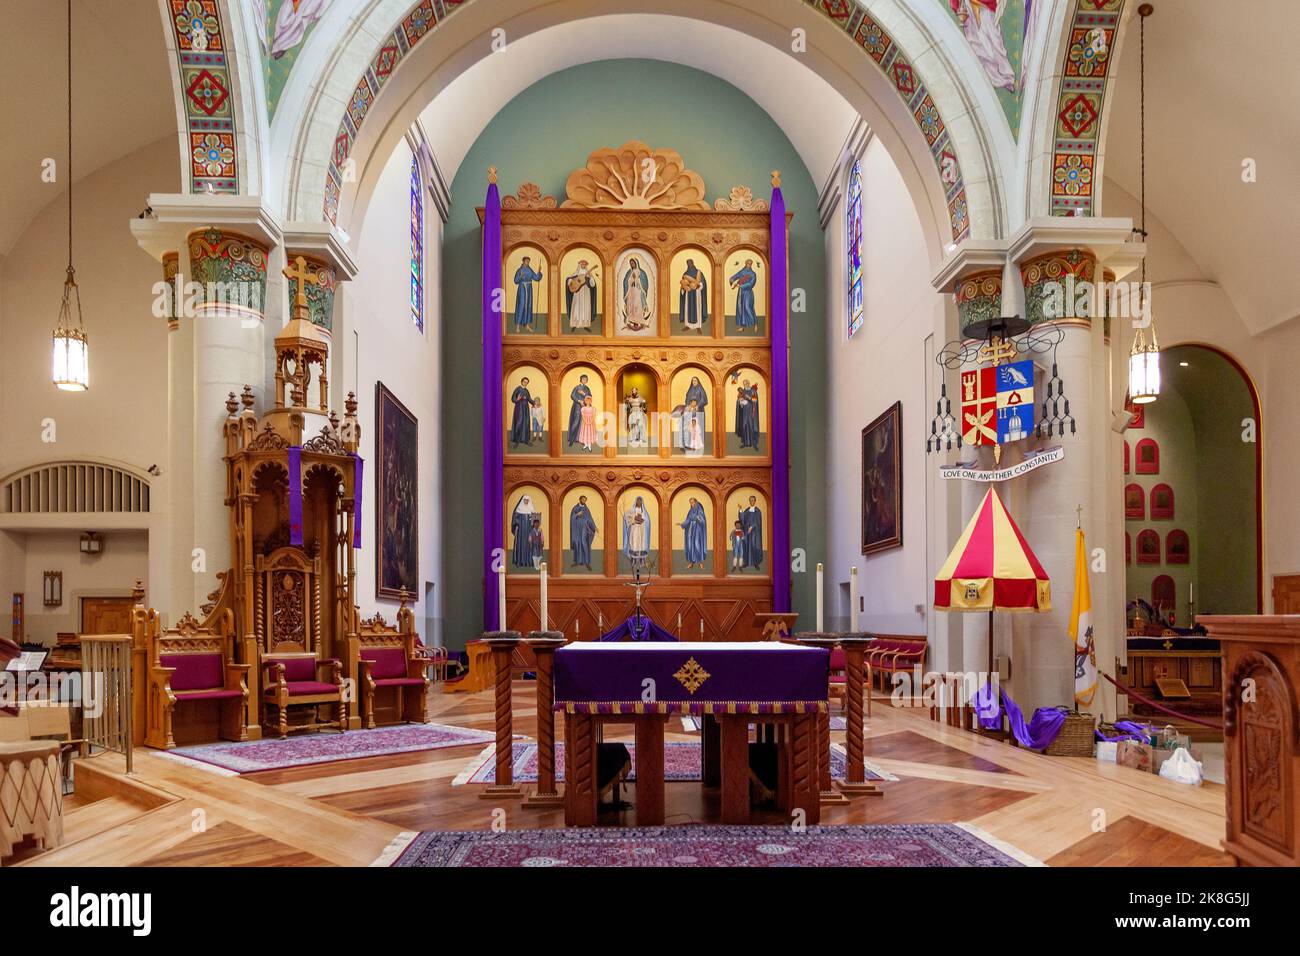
[[650, 769], [735, 768], [804, 775], [579, 770], [547, 794], [505, 780], [855, 782]]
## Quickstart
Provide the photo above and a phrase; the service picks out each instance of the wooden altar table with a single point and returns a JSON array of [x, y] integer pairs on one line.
[[731, 685]]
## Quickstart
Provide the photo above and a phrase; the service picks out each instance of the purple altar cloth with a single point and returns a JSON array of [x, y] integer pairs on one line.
[[650, 632], [1038, 734], [691, 677]]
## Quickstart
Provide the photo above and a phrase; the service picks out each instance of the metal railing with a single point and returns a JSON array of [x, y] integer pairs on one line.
[[106, 674]]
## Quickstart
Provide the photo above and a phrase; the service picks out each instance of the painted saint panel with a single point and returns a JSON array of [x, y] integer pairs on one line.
[[583, 513], [745, 397], [636, 307], [527, 529], [746, 294], [692, 414], [582, 299], [692, 515], [638, 519], [587, 426], [690, 289], [397, 448], [526, 402], [525, 283], [747, 520]]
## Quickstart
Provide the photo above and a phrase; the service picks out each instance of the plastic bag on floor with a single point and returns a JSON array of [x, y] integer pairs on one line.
[[1183, 768]]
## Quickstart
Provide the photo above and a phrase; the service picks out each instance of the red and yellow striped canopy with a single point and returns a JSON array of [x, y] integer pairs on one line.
[[992, 568]]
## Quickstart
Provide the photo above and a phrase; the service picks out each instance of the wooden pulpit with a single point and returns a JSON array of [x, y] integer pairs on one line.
[[1261, 723]]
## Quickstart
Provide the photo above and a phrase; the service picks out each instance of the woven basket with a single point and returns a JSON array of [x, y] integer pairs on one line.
[[1076, 738]]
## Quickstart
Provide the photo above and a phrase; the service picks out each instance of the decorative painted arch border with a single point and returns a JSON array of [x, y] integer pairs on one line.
[[1085, 71], [202, 57], [425, 16]]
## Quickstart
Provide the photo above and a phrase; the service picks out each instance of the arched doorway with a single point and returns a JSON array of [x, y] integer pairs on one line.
[[1196, 455]]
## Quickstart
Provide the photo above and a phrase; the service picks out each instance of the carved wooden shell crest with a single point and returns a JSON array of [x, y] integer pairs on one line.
[[634, 176]]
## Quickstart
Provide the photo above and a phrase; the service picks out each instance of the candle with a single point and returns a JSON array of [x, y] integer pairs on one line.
[[600, 625], [501, 598], [853, 599], [820, 600], [701, 628], [577, 628], [679, 625], [543, 572]]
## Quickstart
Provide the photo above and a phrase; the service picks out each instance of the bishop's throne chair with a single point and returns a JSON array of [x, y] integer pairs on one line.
[[297, 683]]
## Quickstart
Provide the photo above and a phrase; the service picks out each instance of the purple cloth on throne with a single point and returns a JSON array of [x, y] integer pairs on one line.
[[650, 631], [295, 494], [753, 677], [1036, 735]]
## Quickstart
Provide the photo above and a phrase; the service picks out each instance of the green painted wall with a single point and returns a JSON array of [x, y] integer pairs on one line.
[[724, 136]]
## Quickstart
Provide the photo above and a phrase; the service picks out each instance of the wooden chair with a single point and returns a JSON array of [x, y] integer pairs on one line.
[[895, 652], [192, 678], [392, 669], [293, 677]]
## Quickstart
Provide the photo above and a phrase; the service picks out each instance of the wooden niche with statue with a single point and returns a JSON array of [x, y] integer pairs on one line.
[[636, 405]]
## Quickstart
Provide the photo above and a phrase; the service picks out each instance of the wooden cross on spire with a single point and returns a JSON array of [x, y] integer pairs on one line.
[[300, 273]]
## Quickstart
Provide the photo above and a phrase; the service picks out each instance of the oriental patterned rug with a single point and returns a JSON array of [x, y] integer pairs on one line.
[[699, 845], [233, 759], [682, 762]]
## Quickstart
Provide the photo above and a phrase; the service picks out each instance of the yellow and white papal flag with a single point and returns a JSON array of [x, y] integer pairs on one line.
[[1085, 651]]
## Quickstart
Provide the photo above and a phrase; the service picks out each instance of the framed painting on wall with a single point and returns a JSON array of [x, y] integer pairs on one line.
[[397, 538], [882, 482]]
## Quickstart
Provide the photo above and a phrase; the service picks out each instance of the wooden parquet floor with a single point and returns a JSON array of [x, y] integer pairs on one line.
[[346, 813]]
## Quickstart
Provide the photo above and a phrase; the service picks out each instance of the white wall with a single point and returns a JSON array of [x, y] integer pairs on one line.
[[382, 344], [124, 558], [883, 363], [123, 417]]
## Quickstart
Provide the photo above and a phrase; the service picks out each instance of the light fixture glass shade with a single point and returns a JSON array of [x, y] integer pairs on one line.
[[1144, 372], [71, 371]]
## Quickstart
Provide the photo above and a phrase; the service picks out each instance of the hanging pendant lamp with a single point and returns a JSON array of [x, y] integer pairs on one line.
[[1144, 356], [71, 360]]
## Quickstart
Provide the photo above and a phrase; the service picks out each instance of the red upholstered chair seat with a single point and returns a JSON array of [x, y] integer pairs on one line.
[[195, 671], [296, 668], [386, 662], [208, 694], [400, 682], [306, 688]]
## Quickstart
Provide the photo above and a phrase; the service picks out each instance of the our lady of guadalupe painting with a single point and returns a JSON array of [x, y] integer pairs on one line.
[[882, 482], [397, 450], [634, 292]]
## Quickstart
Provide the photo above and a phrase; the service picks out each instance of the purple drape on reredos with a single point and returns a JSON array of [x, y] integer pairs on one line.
[[493, 460], [651, 632], [1036, 735], [295, 494], [778, 305], [357, 485]]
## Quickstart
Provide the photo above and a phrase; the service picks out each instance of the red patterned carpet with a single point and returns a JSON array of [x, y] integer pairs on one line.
[[700, 845], [682, 762], [254, 755]]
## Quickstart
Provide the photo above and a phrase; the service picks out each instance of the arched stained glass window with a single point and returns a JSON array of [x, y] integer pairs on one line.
[[854, 217], [417, 246]]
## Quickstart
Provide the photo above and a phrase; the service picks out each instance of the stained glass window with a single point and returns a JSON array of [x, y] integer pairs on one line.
[[417, 246], [854, 216]]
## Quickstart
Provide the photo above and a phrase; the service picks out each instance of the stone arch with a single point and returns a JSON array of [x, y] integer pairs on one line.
[[936, 127]]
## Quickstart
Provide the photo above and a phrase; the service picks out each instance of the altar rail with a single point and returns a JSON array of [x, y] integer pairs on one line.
[[106, 671]]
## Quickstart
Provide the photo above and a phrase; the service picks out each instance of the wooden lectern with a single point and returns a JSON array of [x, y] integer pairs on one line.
[[1261, 724]]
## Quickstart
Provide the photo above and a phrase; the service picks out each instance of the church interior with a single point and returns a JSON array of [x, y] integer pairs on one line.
[[620, 433]]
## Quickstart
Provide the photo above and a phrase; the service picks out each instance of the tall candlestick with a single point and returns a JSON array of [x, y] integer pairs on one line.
[[820, 600], [501, 598], [701, 628], [679, 625], [853, 599], [542, 569]]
